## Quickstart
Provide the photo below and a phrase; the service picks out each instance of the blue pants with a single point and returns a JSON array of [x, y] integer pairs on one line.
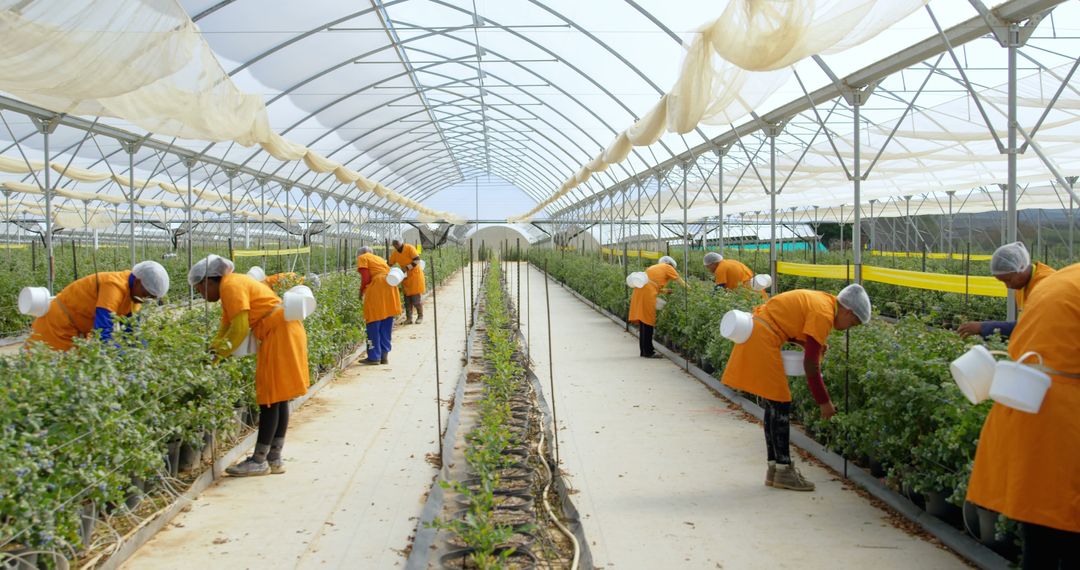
[[378, 338]]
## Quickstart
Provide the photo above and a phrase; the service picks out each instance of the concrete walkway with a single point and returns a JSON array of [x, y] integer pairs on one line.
[[357, 475], [669, 477]]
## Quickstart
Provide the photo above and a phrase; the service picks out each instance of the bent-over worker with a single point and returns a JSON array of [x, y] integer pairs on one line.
[[91, 304], [729, 274], [381, 304], [643, 302], [1027, 466], [1011, 264], [414, 285], [804, 317], [281, 363]]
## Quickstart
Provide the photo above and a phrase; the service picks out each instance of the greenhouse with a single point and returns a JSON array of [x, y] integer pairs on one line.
[[452, 284]]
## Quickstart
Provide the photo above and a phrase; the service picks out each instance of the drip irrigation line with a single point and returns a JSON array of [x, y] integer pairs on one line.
[[547, 506]]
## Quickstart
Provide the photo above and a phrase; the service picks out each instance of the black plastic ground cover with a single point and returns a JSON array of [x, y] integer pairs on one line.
[[956, 540], [424, 547], [573, 517]]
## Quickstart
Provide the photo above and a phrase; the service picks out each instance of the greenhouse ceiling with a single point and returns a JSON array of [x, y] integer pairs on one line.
[[415, 97]]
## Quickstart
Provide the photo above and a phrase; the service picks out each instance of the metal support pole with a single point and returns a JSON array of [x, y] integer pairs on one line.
[[772, 209], [551, 368], [132, 149], [49, 267], [856, 230], [720, 204], [438, 379], [659, 228], [685, 225], [1014, 43], [190, 230]]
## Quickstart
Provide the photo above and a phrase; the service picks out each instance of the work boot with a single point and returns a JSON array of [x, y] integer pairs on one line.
[[770, 474], [371, 362], [384, 360], [788, 477], [419, 319], [277, 464]]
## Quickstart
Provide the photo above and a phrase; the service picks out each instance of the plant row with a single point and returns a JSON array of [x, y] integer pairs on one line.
[[27, 267], [495, 529], [89, 430], [944, 309], [900, 410]]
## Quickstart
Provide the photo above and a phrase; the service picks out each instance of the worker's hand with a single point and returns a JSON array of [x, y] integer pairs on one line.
[[970, 329], [828, 410]]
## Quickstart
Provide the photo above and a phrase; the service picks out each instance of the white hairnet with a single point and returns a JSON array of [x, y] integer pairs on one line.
[[153, 277], [669, 260], [210, 266], [712, 257], [312, 280], [854, 298], [364, 249], [257, 273], [1010, 258]]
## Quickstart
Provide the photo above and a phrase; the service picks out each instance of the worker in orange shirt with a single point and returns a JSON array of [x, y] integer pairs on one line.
[[729, 274], [381, 304], [756, 366], [281, 365], [90, 305], [1011, 264], [643, 302], [1027, 466], [405, 256]]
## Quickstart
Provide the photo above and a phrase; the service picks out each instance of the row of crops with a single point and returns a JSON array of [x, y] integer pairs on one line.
[[901, 414], [109, 433]]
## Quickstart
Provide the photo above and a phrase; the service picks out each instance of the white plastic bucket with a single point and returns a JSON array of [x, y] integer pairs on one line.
[[737, 326], [660, 303], [257, 273], [793, 362], [299, 303], [761, 282], [395, 277], [34, 301], [1019, 386], [973, 372], [637, 279], [247, 346]]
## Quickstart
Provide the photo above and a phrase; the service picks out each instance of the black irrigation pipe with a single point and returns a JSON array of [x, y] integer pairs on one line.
[[956, 540]]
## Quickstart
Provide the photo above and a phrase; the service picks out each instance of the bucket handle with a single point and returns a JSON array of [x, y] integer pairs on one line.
[[1024, 357]]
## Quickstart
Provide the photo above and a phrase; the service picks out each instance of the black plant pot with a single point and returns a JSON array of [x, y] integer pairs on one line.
[[190, 456], [132, 499], [172, 458], [971, 519], [987, 526], [876, 468], [937, 504], [87, 523]]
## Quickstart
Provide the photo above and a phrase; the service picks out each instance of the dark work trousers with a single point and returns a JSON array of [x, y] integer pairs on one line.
[[1048, 548], [273, 422], [778, 431], [645, 339]]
